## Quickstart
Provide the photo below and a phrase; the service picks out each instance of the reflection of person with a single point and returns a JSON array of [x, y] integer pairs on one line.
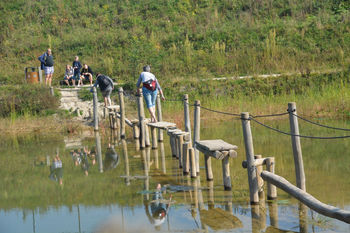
[[150, 87], [112, 158], [159, 209], [106, 86], [47, 63], [56, 170], [84, 161]]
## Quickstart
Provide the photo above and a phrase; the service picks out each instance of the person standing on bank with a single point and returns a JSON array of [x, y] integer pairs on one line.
[[77, 66], [150, 87], [47, 63], [106, 86]]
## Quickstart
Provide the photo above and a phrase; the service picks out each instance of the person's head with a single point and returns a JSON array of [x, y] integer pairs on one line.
[[49, 51], [97, 74], [67, 67], [147, 68], [76, 58], [85, 66]]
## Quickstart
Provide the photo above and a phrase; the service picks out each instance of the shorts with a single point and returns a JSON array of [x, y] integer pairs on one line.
[[76, 76], [107, 92], [150, 97], [48, 70], [86, 77], [66, 77]]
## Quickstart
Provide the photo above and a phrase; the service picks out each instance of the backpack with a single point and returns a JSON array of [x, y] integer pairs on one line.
[[150, 85]]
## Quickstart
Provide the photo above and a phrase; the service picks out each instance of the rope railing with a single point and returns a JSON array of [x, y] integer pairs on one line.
[[301, 136], [318, 124]]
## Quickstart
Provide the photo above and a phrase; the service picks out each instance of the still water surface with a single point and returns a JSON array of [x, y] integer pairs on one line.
[[81, 191]]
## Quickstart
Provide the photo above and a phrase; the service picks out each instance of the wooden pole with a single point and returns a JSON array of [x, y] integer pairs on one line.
[[156, 160], [95, 103], [196, 131], [122, 112], [185, 156], [160, 118], [249, 150], [271, 189], [180, 142], [147, 141], [192, 163], [136, 130], [226, 173], [259, 169], [162, 154], [307, 199], [52, 91], [298, 156], [208, 170], [154, 138], [187, 115], [141, 115]]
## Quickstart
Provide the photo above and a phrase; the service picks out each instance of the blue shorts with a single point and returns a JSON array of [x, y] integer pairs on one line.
[[150, 97]]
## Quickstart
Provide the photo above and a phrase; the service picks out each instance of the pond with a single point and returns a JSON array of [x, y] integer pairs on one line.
[[94, 182]]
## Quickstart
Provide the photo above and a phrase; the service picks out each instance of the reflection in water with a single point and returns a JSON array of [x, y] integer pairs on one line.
[[56, 170], [111, 159], [159, 208], [98, 151], [126, 161]]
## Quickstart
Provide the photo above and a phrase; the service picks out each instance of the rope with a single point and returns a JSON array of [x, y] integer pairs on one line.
[[225, 113], [302, 136], [271, 115], [173, 100], [318, 124]]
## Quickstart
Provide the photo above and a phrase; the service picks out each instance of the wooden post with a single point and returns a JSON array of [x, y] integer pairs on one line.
[[226, 173], [208, 170], [147, 141], [185, 156], [172, 145], [122, 112], [181, 143], [141, 115], [176, 146], [196, 131], [160, 118], [192, 163], [298, 157], [187, 115], [95, 103], [249, 150], [156, 160], [271, 189], [259, 169], [52, 91], [136, 130], [154, 138]]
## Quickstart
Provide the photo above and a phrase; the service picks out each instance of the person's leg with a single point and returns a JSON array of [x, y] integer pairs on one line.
[[153, 108], [50, 79], [90, 79], [153, 114], [66, 80], [73, 81]]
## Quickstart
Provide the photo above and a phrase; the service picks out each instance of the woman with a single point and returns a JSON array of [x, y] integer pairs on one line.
[[150, 87]]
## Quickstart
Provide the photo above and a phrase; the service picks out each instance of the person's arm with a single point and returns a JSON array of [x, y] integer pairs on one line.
[[111, 81], [160, 90], [42, 58]]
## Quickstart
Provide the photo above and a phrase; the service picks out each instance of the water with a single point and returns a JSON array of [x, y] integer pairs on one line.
[[116, 193]]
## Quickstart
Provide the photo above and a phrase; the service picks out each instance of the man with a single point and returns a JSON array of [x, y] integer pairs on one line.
[[106, 86], [150, 86], [87, 73], [47, 63], [77, 66]]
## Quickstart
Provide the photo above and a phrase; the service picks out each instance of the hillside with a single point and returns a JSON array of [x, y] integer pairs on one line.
[[179, 38]]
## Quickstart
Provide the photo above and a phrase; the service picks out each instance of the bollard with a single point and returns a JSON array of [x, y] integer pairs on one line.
[[298, 156], [95, 103], [185, 156], [192, 163], [52, 91], [141, 115], [122, 112], [208, 169], [187, 115], [226, 173], [271, 189], [196, 131], [154, 138], [249, 150], [160, 118]]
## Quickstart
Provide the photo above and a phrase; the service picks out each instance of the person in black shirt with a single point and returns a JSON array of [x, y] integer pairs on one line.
[[87, 73], [106, 86], [77, 66], [47, 64]]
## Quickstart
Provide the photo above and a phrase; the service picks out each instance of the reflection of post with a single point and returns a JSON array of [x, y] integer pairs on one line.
[[79, 219], [255, 212], [98, 151], [162, 154], [211, 203], [273, 212], [126, 159], [228, 206], [302, 218], [137, 145], [262, 206], [145, 168], [33, 221], [148, 156], [156, 163]]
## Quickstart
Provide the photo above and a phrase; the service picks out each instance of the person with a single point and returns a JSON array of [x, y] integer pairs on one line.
[[56, 170], [77, 67], [47, 63], [68, 76], [150, 87], [159, 209], [106, 86], [87, 73]]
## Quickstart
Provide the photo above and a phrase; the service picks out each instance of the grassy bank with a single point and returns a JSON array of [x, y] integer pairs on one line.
[[182, 38]]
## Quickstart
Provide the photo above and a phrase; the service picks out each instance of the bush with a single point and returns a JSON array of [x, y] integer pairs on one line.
[[26, 99]]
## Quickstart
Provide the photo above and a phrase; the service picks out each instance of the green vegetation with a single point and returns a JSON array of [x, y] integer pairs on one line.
[[179, 38], [18, 100]]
